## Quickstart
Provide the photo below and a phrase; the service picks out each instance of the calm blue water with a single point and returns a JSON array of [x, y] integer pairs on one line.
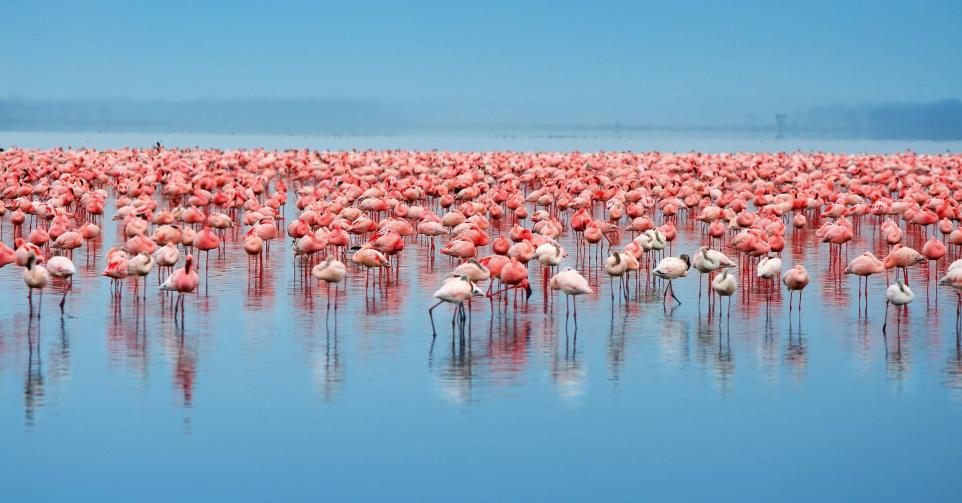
[[264, 397]]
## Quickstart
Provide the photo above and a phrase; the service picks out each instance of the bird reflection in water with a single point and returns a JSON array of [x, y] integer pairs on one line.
[[59, 365], [953, 368], [127, 337], [617, 340], [567, 373], [674, 340], [796, 353], [714, 341], [897, 357], [260, 284], [509, 344], [33, 386], [724, 360], [328, 369], [457, 376], [185, 368]]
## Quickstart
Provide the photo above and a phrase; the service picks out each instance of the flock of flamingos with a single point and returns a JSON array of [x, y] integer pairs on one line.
[[498, 215]]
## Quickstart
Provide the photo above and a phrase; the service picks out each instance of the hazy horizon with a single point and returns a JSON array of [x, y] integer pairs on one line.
[[689, 64]]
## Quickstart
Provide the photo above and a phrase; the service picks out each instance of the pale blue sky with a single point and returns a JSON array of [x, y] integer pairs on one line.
[[574, 61]]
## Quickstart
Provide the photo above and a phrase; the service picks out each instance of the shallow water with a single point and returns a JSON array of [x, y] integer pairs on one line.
[[264, 396]]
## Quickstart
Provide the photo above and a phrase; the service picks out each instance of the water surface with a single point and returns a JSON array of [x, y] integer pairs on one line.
[[265, 396]]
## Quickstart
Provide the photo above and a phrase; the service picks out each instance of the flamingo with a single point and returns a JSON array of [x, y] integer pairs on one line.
[[182, 281], [769, 268], [473, 270], [672, 268], [330, 271], [455, 290], [62, 267], [515, 275], [139, 267], [898, 294], [117, 270], [166, 257], [7, 255], [705, 260], [370, 258], [205, 241], [725, 286], [795, 280], [36, 277], [864, 266], [616, 266], [903, 257], [571, 283]]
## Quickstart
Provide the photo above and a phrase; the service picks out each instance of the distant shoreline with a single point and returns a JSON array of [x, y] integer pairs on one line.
[[716, 141]]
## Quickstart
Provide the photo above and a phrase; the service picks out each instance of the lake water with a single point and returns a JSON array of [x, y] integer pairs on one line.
[[264, 396]]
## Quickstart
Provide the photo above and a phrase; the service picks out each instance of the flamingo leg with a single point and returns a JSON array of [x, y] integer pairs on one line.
[[64, 298], [434, 332], [886, 322], [672, 290]]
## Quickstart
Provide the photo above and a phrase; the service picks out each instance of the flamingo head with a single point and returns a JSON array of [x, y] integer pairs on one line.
[[475, 291], [527, 289]]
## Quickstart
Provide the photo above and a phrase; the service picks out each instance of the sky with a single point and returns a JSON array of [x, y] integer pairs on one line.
[[575, 62]]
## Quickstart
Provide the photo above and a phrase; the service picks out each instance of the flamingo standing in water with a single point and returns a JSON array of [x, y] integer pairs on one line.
[[36, 277], [933, 250], [708, 261], [549, 255], [514, 275], [62, 267], [725, 285], [455, 290], [616, 266], [672, 268], [903, 257], [166, 257], [182, 281], [330, 271], [769, 268], [205, 241], [795, 280], [139, 267], [864, 266], [370, 258], [473, 270], [898, 294], [117, 269], [571, 283]]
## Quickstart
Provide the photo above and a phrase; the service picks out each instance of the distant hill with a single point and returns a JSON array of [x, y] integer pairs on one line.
[[941, 120]]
